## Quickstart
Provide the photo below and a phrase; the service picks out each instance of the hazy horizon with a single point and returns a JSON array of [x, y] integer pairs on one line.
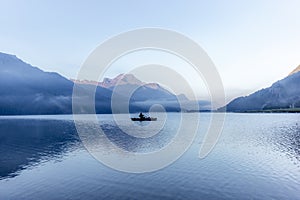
[[197, 84]]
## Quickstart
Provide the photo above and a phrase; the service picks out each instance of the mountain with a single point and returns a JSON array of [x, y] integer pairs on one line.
[[27, 90], [281, 95], [125, 83], [122, 79], [144, 94], [295, 70]]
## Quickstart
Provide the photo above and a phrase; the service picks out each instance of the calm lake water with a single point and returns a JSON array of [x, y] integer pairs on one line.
[[257, 157]]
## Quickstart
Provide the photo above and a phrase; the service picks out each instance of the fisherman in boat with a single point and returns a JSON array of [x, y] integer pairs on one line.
[[141, 116]]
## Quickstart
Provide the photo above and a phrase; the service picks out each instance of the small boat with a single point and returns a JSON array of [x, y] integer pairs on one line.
[[144, 119]]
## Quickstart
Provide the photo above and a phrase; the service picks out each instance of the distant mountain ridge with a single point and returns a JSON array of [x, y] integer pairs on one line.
[[295, 70], [144, 92], [27, 90], [283, 94], [121, 79], [126, 82]]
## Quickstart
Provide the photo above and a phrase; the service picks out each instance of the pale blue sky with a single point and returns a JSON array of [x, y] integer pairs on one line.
[[253, 43]]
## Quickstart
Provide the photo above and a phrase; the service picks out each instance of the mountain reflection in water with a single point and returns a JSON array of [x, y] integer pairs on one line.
[[256, 157]]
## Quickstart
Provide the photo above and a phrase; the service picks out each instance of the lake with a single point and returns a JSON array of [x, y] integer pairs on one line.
[[257, 157]]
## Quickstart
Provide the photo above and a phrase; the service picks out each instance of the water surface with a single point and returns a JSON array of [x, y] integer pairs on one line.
[[257, 157]]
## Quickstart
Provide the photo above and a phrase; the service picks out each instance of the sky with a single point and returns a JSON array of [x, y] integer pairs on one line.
[[252, 43]]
